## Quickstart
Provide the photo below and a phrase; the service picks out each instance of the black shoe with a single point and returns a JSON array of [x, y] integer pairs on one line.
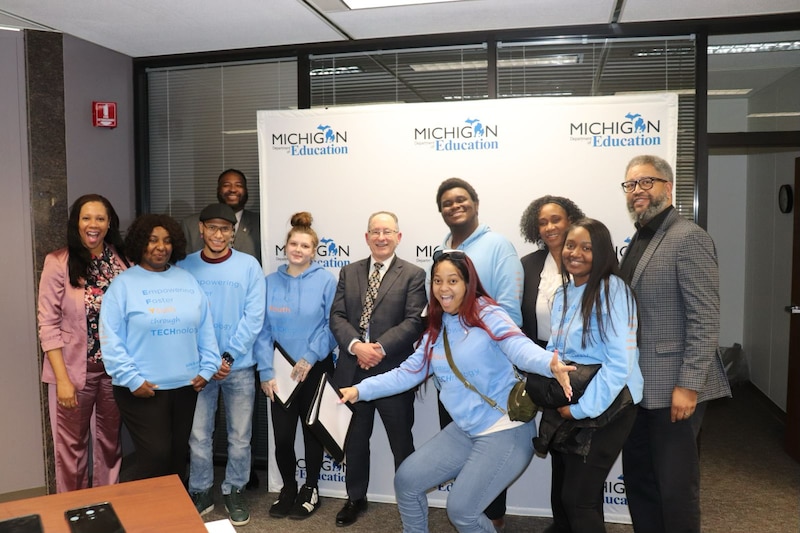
[[306, 504], [350, 512], [281, 507]]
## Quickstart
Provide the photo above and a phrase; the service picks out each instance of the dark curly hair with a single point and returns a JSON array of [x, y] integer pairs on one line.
[[139, 235], [79, 257], [529, 225], [453, 183]]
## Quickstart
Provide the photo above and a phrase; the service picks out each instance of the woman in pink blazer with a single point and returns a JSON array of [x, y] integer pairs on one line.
[[71, 289]]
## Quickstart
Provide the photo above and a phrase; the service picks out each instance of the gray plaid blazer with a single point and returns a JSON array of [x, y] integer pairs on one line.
[[677, 289]]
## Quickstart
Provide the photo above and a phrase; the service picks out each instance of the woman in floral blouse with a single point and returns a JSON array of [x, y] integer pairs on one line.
[[71, 290]]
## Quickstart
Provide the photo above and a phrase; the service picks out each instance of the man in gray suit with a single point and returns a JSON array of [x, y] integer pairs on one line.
[[671, 264], [376, 319], [231, 190]]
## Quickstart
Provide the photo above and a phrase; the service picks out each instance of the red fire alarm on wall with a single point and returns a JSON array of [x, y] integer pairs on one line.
[[104, 114]]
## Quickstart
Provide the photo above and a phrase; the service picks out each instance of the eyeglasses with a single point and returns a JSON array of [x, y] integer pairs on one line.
[[440, 255], [382, 232], [225, 230], [644, 183]]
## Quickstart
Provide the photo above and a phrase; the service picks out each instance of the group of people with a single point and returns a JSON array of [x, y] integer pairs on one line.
[[176, 331]]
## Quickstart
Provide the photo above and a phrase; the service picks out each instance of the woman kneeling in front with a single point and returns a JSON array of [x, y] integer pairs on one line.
[[482, 448]]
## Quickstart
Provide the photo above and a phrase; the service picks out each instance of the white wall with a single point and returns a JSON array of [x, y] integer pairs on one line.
[[22, 460], [727, 201], [727, 192], [99, 160], [753, 238], [768, 273]]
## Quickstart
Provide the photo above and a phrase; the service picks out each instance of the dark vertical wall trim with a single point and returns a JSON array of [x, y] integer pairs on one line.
[[701, 132], [303, 81], [44, 72], [141, 139], [491, 67]]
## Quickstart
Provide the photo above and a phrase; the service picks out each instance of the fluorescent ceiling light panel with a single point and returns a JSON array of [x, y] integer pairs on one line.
[[540, 61], [777, 114], [689, 92], [331, 71], [368, 4], [750, 48], [729, 92]]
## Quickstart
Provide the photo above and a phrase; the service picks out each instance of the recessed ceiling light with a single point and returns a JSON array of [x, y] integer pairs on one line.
[[368, 4]]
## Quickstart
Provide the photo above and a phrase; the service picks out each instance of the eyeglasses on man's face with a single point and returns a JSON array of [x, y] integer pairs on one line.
[[440, 255], [644, 183], [382, 232], [212, 229]]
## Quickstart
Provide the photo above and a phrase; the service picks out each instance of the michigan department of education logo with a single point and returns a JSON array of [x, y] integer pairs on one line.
[[324, 140], [329, 253], [469, 136], [633, 129], [614, 492]]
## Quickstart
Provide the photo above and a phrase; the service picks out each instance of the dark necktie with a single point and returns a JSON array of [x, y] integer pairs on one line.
[[369, 299]]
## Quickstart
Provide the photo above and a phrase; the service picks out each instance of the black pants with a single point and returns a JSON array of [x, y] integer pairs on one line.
[[496, 509], [576, 494], [284, 427], [661, 465], [397, 414], [160, 428]]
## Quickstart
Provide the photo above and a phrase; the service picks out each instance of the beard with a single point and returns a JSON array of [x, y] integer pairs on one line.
[[236, 207], [657, 205]]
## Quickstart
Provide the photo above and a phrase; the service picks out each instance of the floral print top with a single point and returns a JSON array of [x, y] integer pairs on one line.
[[102, 271]]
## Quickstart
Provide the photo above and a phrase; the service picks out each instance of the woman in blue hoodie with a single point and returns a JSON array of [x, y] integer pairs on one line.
[[483, 449], [299, 298]]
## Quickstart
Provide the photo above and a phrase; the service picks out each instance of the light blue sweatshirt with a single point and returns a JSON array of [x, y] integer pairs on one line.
[[297, 316], [498, 267], [157, 326], [618, 355], [235, 290], [486, 363]]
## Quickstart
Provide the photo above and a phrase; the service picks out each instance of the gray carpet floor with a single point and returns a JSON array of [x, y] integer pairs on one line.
[[749, 484]]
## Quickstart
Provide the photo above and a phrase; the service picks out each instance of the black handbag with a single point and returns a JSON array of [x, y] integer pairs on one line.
[[547, 392]]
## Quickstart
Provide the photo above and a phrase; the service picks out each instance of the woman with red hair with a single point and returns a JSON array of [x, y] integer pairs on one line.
[[483, 449]]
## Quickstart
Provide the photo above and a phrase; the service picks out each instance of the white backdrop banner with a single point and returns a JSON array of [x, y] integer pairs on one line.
[[345, 163]]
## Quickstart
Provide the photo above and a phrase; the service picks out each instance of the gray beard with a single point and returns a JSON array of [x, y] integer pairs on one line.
[[657, 205]]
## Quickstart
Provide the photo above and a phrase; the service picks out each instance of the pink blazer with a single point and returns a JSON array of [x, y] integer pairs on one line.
[[62, 318]]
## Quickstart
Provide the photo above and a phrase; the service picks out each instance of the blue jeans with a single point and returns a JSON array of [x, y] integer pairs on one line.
[[238, 392], [482, 467]]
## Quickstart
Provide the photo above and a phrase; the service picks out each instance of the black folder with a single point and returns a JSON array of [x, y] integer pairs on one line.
[[282, 364], [329, 419]]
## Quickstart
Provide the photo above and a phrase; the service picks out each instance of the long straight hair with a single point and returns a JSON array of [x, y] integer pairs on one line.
[[598, 286]]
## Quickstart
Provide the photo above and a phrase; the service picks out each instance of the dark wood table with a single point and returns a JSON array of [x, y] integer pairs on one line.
[[158, 505]]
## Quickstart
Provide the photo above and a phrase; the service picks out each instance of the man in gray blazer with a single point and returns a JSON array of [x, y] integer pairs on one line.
[[376, 319], [671, 264], [231, 190]]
